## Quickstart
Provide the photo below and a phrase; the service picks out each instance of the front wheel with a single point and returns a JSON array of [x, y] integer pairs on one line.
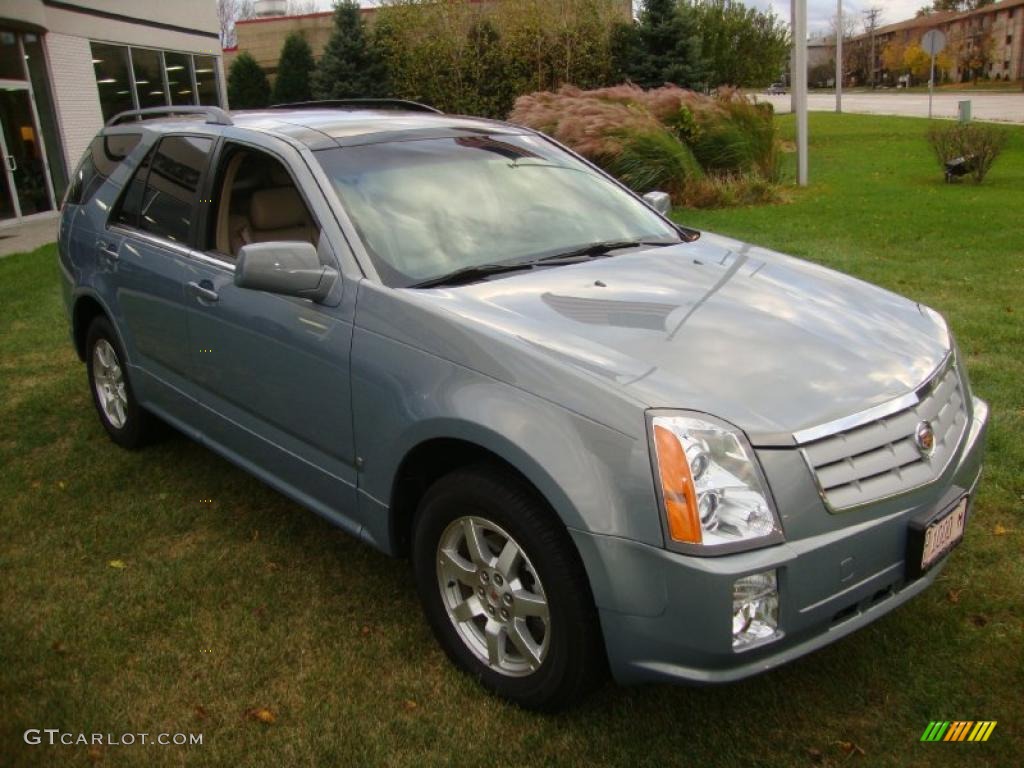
[[504, 590]]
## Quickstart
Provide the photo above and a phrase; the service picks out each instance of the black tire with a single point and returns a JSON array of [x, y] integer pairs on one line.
[[139, 426], [575, 661]]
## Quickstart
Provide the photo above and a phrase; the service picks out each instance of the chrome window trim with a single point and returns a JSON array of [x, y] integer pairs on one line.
[[171, 245], [901, 403]]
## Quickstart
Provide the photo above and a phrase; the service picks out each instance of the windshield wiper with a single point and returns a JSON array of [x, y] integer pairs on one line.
[[604, 248], [471, 274], [481, 271]]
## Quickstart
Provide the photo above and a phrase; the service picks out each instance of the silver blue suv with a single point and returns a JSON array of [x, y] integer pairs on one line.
[[604, 440]]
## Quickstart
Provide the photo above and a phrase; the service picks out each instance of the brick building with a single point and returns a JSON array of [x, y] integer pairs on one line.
[[998, 29]]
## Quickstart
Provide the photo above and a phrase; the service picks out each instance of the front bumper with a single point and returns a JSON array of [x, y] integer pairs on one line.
[[667, 616]]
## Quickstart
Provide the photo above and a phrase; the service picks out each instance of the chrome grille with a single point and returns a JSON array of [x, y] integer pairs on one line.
[[880, 458]]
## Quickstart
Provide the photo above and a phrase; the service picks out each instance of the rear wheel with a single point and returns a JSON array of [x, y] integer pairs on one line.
[[504, 590], [120, 414]]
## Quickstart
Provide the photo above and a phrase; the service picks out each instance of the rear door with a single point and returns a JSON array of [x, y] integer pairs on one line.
[[148, 238]]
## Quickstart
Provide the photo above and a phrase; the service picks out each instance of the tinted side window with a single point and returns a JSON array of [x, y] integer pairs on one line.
[[127, 213], [169, 201], [104, 155]]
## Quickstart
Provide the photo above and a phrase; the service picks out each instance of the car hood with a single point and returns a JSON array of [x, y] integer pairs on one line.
[[770, 343]]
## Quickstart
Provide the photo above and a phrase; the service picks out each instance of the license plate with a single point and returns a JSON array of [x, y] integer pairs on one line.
[[944, 534]]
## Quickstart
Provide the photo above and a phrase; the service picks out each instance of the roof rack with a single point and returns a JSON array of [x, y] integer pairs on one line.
[[214, 115], [400, 104]]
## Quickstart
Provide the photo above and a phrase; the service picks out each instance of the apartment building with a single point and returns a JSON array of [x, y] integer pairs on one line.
[[987, 42]]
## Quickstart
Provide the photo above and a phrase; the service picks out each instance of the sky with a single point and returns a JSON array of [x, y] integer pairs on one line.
[[820, 12]]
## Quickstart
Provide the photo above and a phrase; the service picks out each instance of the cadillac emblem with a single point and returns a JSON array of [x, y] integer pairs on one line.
[[924, 438]]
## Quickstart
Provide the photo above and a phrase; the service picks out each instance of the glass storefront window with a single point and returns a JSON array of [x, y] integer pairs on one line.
[[149, 77], [10, 58], [111, 65], [206, 80], [179, 77]]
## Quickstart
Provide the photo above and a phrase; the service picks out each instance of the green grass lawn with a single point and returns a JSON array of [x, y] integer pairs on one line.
[[232, 599]]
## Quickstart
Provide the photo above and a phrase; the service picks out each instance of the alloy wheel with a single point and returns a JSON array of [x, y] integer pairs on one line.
[[108, 381], [493, 596]]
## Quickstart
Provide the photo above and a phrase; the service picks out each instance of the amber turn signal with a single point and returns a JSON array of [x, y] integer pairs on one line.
[[677, 488]]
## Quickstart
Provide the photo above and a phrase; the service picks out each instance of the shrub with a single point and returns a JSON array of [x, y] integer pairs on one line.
[[978, 143], [697, 148], [728, 191], [248, 87], [655, 160], [475, 59]]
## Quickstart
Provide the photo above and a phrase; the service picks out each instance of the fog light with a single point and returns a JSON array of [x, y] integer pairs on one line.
[[755, 609]]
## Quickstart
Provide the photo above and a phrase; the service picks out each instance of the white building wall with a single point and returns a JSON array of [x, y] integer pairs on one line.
[[76, 93]]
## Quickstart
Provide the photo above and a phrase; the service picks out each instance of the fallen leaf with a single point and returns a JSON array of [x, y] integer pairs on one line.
[[117, 564], [58, 647], [261, 714], [999, 530], [816, 755], [200, 712], [410, 705], [954, 595], [850, 748], [365, 631], [60, 484], [979, 620]]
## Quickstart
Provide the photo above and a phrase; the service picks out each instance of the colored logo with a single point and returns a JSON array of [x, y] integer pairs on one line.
[[924, 438], [958, 730]]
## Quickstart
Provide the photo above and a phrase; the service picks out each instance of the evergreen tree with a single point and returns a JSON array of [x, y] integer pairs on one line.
[[294, 71], [670, 50], [624, 49], [248, 87], [351, 65]]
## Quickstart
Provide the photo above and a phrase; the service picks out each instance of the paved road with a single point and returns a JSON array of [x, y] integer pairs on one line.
[[1004, 107]]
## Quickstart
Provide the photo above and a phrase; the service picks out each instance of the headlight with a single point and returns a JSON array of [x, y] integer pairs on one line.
[[713, 494]]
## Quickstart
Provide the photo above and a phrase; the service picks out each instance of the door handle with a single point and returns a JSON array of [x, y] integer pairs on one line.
[[108, 250], [200, 291]]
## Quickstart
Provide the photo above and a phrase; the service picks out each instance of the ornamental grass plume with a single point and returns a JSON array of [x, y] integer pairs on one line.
[[666, 138]]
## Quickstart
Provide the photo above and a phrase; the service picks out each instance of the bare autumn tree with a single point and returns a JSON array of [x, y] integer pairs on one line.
[[228, 12], [850, 52]]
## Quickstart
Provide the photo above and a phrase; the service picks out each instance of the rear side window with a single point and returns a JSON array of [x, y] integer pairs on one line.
[[162, 196], [104, 155], [127, 213]]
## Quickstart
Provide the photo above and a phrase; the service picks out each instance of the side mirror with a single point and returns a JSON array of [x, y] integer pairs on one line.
[[659, 201], [288, 268]]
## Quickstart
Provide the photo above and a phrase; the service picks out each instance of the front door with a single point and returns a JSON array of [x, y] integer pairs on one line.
[[272, 372]]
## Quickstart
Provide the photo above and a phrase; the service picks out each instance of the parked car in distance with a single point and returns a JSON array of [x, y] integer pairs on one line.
[[777, 89], [604, 440]]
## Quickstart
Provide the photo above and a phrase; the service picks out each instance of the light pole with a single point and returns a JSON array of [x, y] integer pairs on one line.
[[799, 22], [839, 56]]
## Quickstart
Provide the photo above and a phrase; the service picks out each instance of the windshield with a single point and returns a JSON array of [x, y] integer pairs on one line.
[[429, 207]]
